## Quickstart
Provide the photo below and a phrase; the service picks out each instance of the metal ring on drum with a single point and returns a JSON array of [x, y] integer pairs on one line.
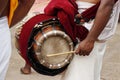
[[46, 61], [49, 39]]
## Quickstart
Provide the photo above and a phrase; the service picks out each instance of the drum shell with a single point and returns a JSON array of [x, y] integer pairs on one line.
[[50, 33]]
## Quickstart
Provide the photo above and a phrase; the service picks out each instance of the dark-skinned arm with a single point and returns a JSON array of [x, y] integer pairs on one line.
[[101, 19], [21, 11]]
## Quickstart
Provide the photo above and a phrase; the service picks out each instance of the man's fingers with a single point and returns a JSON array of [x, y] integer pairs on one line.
[[77, 51], [82, 53]]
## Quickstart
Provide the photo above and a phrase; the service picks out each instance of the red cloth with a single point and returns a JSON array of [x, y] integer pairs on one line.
[[66, 11]]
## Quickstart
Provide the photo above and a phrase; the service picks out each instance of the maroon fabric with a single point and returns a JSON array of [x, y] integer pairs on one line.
[[90, 12], [26, 31], [116, 1]]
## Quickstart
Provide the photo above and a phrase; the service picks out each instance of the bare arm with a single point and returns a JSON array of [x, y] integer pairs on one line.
[[101, 19], [22, 10]]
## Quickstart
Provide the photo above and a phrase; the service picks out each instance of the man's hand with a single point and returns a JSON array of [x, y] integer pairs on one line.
[[85, 47]]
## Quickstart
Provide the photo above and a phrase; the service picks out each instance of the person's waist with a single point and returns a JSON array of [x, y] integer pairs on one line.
[[5, 12], [2, 15], [82, 4]]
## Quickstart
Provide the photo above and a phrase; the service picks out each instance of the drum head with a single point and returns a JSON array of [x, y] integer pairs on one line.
[[53, 45]]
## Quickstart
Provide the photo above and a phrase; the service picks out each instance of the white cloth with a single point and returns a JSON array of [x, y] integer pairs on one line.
[[89, 67], [86, 67], [5, 47]]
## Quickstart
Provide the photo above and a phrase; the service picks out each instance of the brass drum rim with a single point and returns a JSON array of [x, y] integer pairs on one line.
[[56, 33]]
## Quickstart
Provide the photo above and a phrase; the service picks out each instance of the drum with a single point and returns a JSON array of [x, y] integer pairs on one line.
[[47, 37]]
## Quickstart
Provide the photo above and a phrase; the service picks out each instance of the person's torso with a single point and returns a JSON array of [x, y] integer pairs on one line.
[[5, 11]]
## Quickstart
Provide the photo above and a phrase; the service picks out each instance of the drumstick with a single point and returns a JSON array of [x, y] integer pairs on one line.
[[57, 54]]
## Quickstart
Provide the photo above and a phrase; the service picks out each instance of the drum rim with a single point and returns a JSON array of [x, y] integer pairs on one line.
[[34, 62], [64, 36]]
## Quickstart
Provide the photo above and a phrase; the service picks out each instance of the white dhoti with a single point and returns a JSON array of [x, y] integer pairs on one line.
[[5, 47], [89, 67], [86, 67]]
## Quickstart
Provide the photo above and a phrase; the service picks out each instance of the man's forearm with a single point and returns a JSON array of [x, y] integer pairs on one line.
[[22, 10], [101, 19]]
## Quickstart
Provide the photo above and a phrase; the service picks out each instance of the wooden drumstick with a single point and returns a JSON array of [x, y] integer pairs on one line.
[[57, 54]]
